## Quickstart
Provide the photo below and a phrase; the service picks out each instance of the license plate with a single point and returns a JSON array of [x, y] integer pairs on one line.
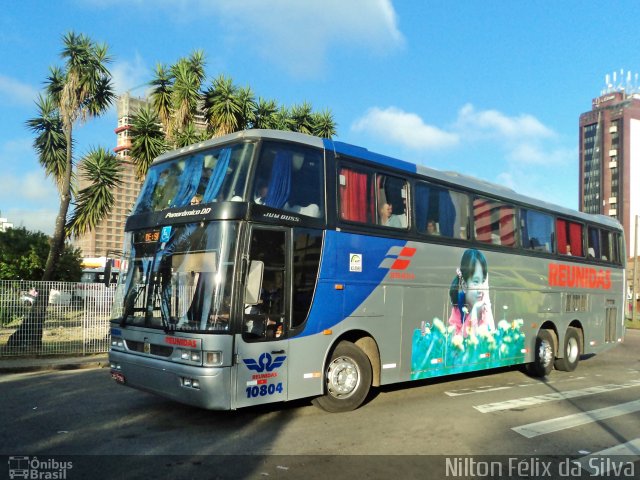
[[118, 377]]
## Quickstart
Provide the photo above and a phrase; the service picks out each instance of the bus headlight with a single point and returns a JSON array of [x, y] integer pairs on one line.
[[116, 342], [212, 359], [191, 355]]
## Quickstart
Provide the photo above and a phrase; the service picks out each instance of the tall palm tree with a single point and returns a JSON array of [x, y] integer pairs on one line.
[[81, 90]]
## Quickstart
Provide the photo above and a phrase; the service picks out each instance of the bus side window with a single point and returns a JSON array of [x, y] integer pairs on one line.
[[569, 238], [441, 212], [356, 202], [537, 231], [494, 222], [391, 196]]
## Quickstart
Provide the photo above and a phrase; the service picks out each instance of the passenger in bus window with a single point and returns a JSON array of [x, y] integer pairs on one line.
[[432, 228], [469, 295], [568, 252], [261, 193], [387, 218]]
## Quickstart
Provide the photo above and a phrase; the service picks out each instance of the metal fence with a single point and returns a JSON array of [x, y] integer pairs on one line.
[[54, 318]]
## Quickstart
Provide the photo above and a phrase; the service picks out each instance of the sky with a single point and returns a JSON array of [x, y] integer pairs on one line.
[[492, 89]]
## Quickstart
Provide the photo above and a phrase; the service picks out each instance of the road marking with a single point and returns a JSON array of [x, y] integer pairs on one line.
[[614, 458], [561, 423], [490, 388], [552, 397]]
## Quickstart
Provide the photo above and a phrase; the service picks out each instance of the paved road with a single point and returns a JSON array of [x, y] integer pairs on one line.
[[592, 410]]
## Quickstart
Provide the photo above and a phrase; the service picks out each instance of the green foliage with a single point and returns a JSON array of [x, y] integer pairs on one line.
[[23, 255], [80, 89], [148, 140], [102, 170]]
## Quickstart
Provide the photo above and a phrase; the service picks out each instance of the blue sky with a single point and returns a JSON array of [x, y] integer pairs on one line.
[[492, 89]]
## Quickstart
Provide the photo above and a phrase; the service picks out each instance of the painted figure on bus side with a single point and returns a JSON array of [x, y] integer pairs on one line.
[[469, 295]]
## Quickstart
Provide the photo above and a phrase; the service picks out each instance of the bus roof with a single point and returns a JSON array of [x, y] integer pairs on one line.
[[453, 179]]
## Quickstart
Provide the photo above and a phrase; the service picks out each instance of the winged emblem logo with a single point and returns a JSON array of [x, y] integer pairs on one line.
[[265, 363]]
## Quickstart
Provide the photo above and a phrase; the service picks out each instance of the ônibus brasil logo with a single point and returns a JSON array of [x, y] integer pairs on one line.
[[265, 363], [398, 259]]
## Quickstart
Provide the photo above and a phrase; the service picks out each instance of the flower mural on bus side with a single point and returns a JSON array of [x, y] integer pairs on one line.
[[471, 340]]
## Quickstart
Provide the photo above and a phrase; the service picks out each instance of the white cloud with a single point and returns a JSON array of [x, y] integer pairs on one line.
[[130, 75], [403, 128], [537, 154], [16, 92], [497, 124], [293, 34]]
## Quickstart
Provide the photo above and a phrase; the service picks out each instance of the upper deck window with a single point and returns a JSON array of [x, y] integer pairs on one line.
[[214, 175], [537, 231], [494, 222], [441, 212], [290, 177], [569, 238]]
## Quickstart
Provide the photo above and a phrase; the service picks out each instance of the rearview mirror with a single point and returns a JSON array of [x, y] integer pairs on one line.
[[254, 283]]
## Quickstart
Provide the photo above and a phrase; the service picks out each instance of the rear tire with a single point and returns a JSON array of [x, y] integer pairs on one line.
[[347, 379], [544, 355], [572, 351]]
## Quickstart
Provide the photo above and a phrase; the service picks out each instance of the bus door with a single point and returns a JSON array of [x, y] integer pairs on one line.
[[262, 347]]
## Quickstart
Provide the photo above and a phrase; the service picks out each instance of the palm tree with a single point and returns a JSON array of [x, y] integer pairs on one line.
[[161, 92], [148, 140], [102, 171], [301, 116], [264, 114], [323, 124], [248, 106], [80, 91], [282, 120], [222, 106]]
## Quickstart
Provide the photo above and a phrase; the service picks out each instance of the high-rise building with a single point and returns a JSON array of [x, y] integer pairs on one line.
[[610, 155], [108, 236]]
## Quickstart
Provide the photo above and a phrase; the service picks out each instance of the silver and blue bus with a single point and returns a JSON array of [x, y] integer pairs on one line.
[[266, 266]]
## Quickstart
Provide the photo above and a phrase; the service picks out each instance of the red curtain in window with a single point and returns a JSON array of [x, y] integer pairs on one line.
[[507, 227], [575, 239], [561, 231], [482, 220], [353, 196]]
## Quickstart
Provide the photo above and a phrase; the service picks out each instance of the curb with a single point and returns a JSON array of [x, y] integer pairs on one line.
[[22, 365]]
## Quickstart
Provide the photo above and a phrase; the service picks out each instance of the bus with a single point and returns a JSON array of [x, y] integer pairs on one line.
[[266, 266]]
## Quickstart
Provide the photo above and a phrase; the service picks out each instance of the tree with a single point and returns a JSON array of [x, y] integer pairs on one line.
[[23, 255], [79, 91], [177, 98]]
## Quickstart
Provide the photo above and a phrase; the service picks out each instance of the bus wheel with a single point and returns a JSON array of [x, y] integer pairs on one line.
[[347, 379], [544, 355], [571, 351]]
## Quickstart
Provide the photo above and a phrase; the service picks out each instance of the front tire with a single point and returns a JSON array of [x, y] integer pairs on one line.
[[545, 354], [572, 351], [347, 377]]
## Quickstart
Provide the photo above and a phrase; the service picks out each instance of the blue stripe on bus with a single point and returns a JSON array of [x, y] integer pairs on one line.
[[331, 306], [360, 152]]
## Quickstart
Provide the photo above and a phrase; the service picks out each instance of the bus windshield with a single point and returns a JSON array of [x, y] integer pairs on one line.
[[178, 278], [213, 175]]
